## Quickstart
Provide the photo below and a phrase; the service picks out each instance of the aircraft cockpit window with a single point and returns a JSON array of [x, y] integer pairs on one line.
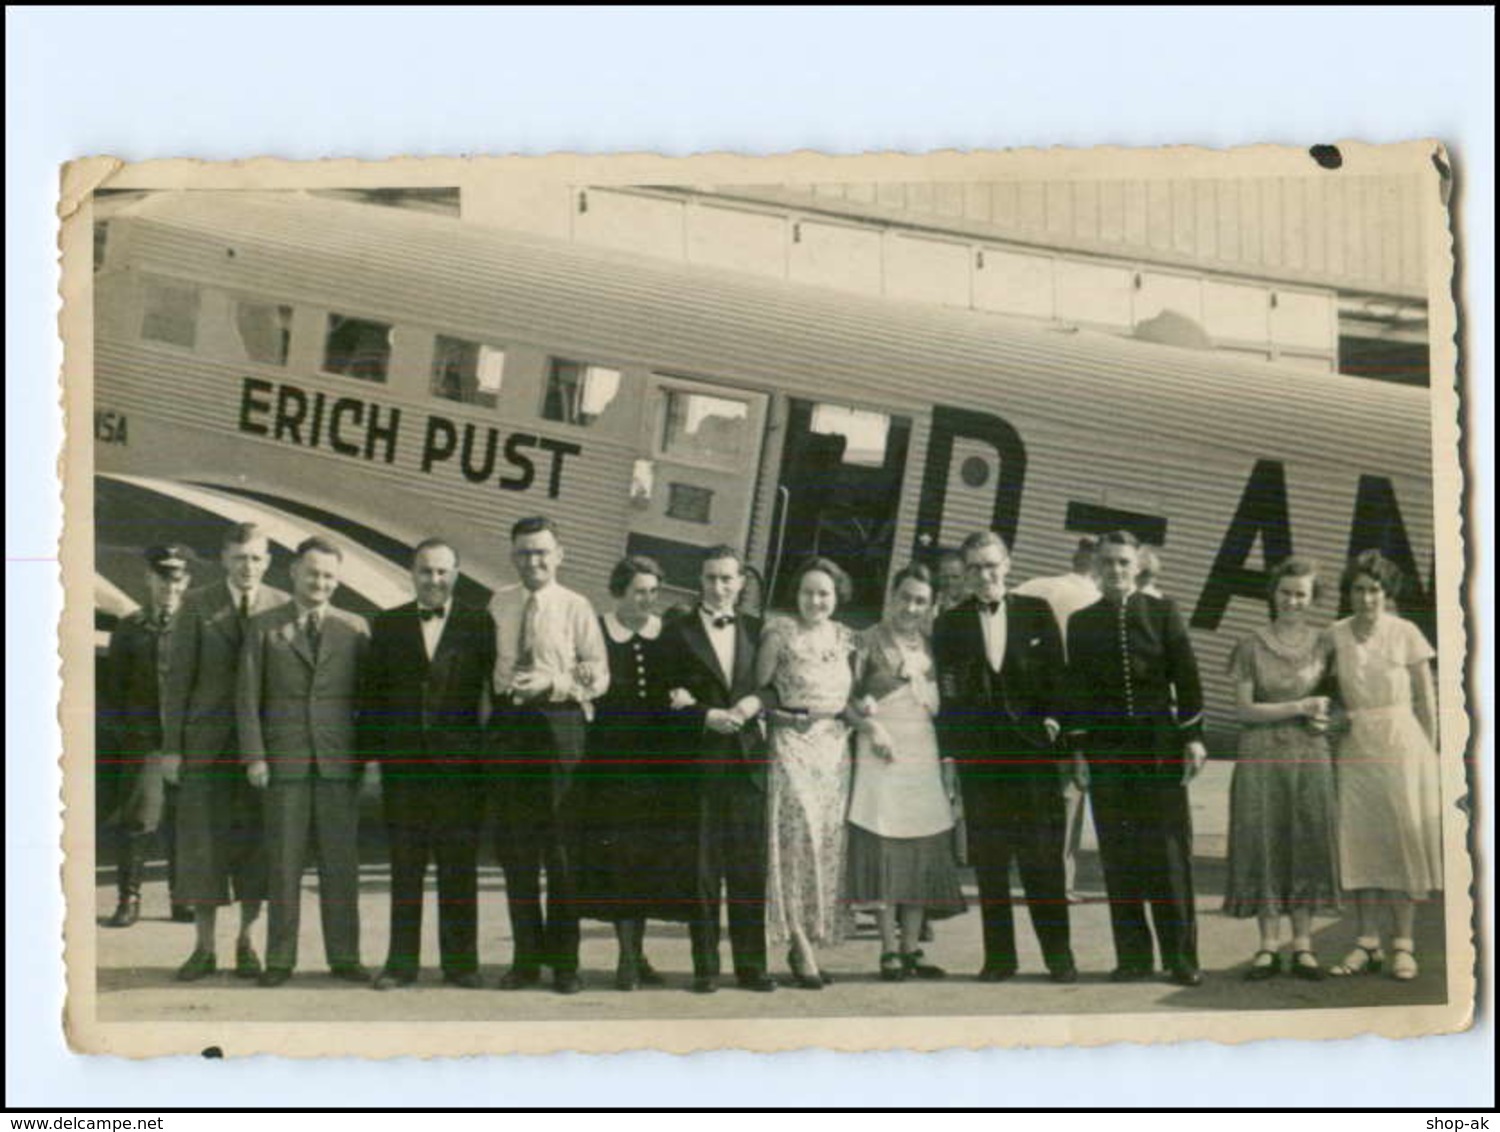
[[170, 313], [470, 372], [701, 429], [358, 348], [579, 393], [263, 331]]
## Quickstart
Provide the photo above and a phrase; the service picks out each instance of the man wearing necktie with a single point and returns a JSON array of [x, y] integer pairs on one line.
[[715, 695], [220, 825], [1000, 669], [550, 661], [298, 686], [425, 688], [1136, 714], [130, 719]]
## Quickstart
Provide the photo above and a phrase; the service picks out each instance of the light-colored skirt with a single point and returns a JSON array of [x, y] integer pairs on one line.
[[1389, 807]]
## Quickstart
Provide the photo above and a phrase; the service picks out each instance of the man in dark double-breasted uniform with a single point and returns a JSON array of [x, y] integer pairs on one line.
[[1136, 716], [422, 714], [1000, 671]]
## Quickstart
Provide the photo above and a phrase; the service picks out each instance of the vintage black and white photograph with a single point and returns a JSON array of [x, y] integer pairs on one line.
[[612, 603]]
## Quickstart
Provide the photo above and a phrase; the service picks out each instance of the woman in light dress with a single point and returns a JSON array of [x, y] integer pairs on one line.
[[1283, 815], [901, 814], [808, 660], [1389, 836]]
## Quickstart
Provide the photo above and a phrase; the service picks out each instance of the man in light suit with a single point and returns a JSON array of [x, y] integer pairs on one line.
[[1000, 671], [425, 692], [220, 828], [298, 687], [713, 682]]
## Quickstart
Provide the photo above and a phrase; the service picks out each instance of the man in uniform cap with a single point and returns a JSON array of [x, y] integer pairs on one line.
[[130, 721]]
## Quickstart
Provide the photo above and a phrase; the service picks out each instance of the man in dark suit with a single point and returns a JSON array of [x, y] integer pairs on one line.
[[130, 723], [714, 694], [1000, 670], [1136, 713], [298, 688], [220, 826], [422, 713], [550, 661]]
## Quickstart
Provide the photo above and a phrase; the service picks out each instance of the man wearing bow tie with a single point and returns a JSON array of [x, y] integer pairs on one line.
[[550, 661], [298, 688], [714, 692], [1000, 669], [422, 715]]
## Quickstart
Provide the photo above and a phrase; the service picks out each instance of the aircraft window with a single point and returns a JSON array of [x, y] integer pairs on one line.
[[865, 432], [171, 313], [467, 371], [578, 393], [702, 429], [358, 348], [264, 330]]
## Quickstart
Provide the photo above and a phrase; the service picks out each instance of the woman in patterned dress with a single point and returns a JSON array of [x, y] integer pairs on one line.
[[1389, 833], [808, 661], [1283, 818]]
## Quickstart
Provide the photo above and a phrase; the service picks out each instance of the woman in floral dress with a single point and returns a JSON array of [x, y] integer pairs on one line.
[[1283, 817], [808, 660]]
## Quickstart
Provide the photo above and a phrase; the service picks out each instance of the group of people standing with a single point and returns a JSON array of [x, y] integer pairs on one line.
[[683, 766]]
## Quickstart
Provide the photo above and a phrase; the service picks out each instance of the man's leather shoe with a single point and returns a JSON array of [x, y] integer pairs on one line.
[[757, 981], [351, 973], [567, 982], [705, 984], [199, 965], [246, 962], [649, 975], [466, 980], [390, 980], [1067, 974], [520, 978], [1186, 976], [274, 976], [996, 973], [1131, 975]]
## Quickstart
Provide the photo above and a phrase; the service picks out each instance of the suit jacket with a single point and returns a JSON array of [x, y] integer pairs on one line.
[[198, 709], [297, 711], [1132, 678], [983, 712], [694, 666], [130, 700], [421, 717]]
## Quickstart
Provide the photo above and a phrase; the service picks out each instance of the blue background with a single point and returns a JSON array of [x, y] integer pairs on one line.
[[229, 83]]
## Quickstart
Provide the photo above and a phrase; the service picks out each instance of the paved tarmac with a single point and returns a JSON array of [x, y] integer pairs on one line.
[[136, 965]]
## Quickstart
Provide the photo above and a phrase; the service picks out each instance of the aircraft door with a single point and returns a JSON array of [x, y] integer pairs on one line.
[[693, 486]]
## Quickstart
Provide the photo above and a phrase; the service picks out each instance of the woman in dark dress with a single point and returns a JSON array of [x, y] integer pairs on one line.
[[638, 818]]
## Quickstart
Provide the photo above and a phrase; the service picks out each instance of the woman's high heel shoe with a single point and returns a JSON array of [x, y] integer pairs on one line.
[[807, 980], [892, 967], [1361, 960]]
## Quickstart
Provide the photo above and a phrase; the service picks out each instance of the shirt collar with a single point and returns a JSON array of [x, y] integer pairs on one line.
[[446, 607], [236, 593], [620, 634], [709, 615]]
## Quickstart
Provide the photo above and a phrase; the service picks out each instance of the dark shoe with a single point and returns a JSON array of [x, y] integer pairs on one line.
[[807, 980], [1361, 960], [274, 976], [127, 912], [1186, 976], [1263, 968], [390, 980], [182, 914], [1064, 974], [892, 967], [566, 982], [627, 973], [1132, 975], [705, 984], [246, 962], [199, 965], [916, 968], [1304, 965], [757, 981], [351, 973], [649, 975], [520, 978], [465, 980], [925, 935], [997, 972]]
